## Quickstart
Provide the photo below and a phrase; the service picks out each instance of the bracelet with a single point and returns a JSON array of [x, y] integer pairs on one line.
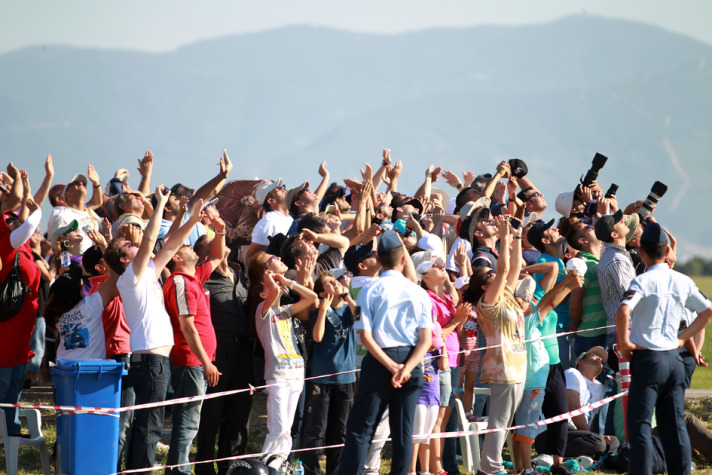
[[220, 233], [516, 237], [97, 186], [459, 186], [384, 163], [291, 285]]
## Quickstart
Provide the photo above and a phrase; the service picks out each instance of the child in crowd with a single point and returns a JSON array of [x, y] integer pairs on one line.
[[284, 366], [426, 412]]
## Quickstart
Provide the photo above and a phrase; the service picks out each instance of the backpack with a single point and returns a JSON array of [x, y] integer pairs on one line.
[[12, 292]]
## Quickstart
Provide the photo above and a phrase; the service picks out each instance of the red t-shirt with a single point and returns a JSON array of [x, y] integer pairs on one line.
[[184, 295], [15, 333], [117, 334]]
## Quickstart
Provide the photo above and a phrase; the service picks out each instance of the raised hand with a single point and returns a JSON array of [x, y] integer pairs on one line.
[[145, 164]]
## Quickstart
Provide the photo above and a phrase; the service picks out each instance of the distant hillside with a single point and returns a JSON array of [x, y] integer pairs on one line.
[[282, 101]]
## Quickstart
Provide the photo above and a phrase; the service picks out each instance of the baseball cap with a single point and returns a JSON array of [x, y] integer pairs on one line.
[[518, 167], [425, 266], [564, 202], [356, 254], [654, 234], [291, 194], [536, 232], [78, 178], [604, 226], [129, 218], [596, 350], [72, 226], [263, 190], [91, 258]]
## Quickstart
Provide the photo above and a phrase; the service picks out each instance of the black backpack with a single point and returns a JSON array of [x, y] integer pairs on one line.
[[12, 292]]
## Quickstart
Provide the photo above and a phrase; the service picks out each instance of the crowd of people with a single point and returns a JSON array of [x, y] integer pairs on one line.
[[393, 305]]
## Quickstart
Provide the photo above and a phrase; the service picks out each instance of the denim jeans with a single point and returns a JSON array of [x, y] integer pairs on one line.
[[11, 381], [150, 376], [37, 345], [187, 381]]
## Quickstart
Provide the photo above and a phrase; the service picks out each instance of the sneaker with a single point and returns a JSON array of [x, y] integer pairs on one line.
[[543, 460], [585, 461], [559, 469]]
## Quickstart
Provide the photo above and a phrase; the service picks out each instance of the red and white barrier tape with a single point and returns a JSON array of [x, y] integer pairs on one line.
[[440, 435], [70, 410]]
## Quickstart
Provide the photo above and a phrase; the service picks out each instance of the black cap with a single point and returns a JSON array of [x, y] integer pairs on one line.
[[275, 244], [91, 258], [356, 254], [654, 234], [415, 203], [519, 168], [388, 242], [537, 231], [604, 226]]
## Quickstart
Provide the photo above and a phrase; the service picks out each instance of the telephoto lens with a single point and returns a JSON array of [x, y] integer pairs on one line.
[[656, 192], [612, 190], [591, 175]]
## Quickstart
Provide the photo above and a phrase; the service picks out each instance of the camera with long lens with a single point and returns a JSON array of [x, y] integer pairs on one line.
[[656, 192], [591, 175], [612, 190]]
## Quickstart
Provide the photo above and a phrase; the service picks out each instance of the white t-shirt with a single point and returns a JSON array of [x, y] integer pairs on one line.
[[577, 382], [81, 332], [84, 219], [274, 222], [450, 262], [145, 313]]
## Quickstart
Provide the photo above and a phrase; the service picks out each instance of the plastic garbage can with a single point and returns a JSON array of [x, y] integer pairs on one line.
[[87, 443]]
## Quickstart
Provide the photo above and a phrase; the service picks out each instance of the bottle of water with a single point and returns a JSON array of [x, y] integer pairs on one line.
[[299, 468], [64, 258]]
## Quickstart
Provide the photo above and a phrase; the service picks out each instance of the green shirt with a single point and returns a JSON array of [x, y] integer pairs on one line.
[[593, 314]]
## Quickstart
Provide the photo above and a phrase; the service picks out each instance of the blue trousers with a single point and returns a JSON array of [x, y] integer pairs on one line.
[[11, 381], [657, 383], [187, 381], [375, 393]]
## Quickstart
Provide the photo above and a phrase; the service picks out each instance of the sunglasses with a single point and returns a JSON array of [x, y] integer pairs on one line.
[[533, 195], [490, 273]]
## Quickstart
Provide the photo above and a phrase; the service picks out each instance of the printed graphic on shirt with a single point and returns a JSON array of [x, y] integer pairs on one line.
[[284, 329], [75, 334]]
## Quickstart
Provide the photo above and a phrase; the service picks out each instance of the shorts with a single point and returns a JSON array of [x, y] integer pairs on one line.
[[445, 387], [529, 412]]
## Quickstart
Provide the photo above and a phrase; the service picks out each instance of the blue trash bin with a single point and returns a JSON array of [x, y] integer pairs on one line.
[[87, 443]]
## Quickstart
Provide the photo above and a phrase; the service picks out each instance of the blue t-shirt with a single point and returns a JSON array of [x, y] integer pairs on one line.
[[335, 352], [537, 356], [562, 310]]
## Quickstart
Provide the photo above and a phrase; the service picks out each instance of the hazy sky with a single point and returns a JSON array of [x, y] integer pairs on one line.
[[160, 25]]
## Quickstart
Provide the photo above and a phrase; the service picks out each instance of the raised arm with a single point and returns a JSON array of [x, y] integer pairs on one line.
[[149, 236], [515, 266], [178, 238], [321, 189], [308, 297], [217, 251], [145, 168], [503, 171], [212, 187], [494, 292], [43, 190], [97, 195], [14, 199], [557, 295]]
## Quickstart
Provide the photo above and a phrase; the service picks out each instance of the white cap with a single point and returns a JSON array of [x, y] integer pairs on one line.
[[425, 266], [263, 190], [460, 282], [577, 265], [431, 242], [525, 288], [564, 202]]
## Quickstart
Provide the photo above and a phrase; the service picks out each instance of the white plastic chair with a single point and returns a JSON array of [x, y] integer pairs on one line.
[[12, 444], [470, 445]]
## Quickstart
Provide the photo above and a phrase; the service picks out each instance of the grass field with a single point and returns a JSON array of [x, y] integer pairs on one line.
[[702, 379]]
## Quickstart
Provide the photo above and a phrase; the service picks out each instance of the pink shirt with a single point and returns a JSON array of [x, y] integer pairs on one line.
[[444, 312]]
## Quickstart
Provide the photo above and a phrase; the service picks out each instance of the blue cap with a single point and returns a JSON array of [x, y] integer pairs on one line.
[[654, 234], [355, 254], [400, 227], [388, 242]]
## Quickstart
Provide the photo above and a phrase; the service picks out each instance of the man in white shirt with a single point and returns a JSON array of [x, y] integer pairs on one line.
[[277, 220], [151, 330], [75, 195]]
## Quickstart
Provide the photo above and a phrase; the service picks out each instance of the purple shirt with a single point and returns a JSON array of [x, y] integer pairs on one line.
[[430, 394]]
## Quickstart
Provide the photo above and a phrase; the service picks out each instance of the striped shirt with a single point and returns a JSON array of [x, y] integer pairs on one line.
[[615, 273], [593, 314]]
